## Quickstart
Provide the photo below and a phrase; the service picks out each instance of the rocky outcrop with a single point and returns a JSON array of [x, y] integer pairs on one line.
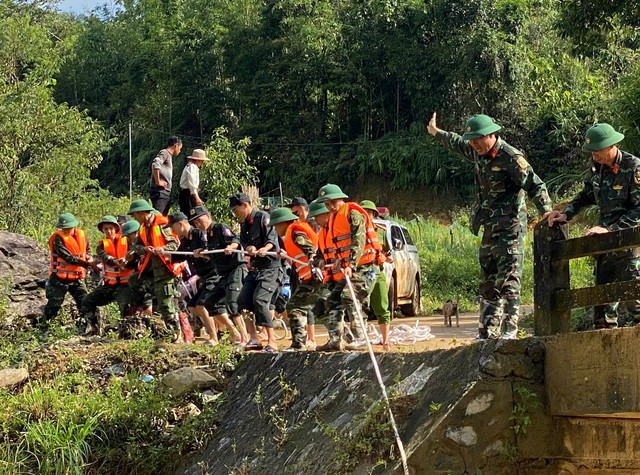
[[23, 273]]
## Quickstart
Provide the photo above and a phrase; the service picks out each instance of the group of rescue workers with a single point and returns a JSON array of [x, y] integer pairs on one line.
[[144, 259], [330, 249]]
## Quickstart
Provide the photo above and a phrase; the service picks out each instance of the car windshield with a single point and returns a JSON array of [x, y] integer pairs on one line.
[[407, 237]]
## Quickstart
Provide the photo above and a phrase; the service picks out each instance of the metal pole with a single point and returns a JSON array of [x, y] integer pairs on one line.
[[130, 165], [281, 196]]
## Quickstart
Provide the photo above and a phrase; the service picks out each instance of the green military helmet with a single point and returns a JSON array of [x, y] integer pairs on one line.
[[316, 209], [130, 227], [330, 192], [368, 204], [601, 136], [66, 221], [479, 125], [140, 205], [282, 215], [108, 219]]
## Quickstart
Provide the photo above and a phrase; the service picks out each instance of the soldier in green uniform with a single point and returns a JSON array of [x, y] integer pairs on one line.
[[115, 287], [503, 177], [156, 267], [301, 243], [613, 184], [379, 295], [69, 259], [354, 258]]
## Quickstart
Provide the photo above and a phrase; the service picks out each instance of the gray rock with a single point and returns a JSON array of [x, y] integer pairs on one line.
[[465, 436], [24, 269], [185, 380], [12, 377]]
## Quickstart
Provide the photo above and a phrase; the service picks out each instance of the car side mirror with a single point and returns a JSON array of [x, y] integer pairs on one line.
[[397, 244]]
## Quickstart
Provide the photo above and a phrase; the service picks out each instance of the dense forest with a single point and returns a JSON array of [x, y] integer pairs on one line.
[[311, 90]]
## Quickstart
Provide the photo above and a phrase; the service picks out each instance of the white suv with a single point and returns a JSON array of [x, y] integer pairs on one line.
[[403, 274]]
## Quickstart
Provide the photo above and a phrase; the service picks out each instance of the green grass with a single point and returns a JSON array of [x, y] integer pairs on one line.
[[450, 268], [70, 418]]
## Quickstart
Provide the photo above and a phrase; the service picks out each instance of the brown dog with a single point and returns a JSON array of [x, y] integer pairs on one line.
[[449, 309]]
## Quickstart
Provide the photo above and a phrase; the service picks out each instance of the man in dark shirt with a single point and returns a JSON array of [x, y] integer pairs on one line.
[[258, 238], [162, 175], [220, 295]]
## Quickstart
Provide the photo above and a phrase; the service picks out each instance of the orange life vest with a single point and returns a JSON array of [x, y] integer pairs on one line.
[[340, 235], [113, 275], [76, 244], [304, 272], [152, 236], [328, 250]]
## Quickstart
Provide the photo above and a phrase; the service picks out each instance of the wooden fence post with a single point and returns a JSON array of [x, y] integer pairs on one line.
[[549, 276]]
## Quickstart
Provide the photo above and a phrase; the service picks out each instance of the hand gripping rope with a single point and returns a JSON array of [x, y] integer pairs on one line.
[[376, 369]]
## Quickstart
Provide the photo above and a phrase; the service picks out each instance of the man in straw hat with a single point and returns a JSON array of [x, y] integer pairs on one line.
[[190, 181], [504, 178], [613, 184]]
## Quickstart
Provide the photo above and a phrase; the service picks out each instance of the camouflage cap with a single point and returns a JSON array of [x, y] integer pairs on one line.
[[282, 215], [130, 227], [140, 205], [66, 221], [479, 125], [108, 219], [316, 209], [330, 192], [601, 136]]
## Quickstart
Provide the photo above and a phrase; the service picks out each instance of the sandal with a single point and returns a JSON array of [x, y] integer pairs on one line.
[[270, 349], [253, 346]]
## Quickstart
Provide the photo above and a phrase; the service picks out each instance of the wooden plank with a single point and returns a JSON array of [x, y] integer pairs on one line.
[[599, 295], [597, 244], [550, 276]]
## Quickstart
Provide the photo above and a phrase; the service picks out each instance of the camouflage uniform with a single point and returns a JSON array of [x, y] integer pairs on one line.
[[104, 294], [305, 296], [503, 177], [160, 279], [363, 280], [616, 191], [56, 289]]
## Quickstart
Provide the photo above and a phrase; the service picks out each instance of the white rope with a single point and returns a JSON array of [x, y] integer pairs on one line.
[[235, 251], [376, 369], [401, 334]]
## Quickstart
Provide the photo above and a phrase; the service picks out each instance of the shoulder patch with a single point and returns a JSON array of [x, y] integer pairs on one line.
[[522, 162], [356, 218], [300, 240], [636, 176], [227, 232]]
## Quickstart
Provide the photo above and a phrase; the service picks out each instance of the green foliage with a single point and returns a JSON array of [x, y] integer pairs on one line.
[[227, 172], [524, 401], [47, 150]]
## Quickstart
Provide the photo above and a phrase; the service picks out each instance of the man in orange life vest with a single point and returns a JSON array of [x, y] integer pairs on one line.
[[112, 251], [301, 243], [155, 266], [68, 261], [351, 247]]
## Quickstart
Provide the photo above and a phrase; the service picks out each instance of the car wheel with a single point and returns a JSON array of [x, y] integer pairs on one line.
[[392, 295], [412, 309]]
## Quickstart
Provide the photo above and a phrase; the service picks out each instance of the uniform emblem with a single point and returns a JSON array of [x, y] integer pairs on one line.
[[587, 140], [636, 176], [522, 162], [322, 192], [495, 169], [192, 211], [227, 232], [617, 187], [468, 129]]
